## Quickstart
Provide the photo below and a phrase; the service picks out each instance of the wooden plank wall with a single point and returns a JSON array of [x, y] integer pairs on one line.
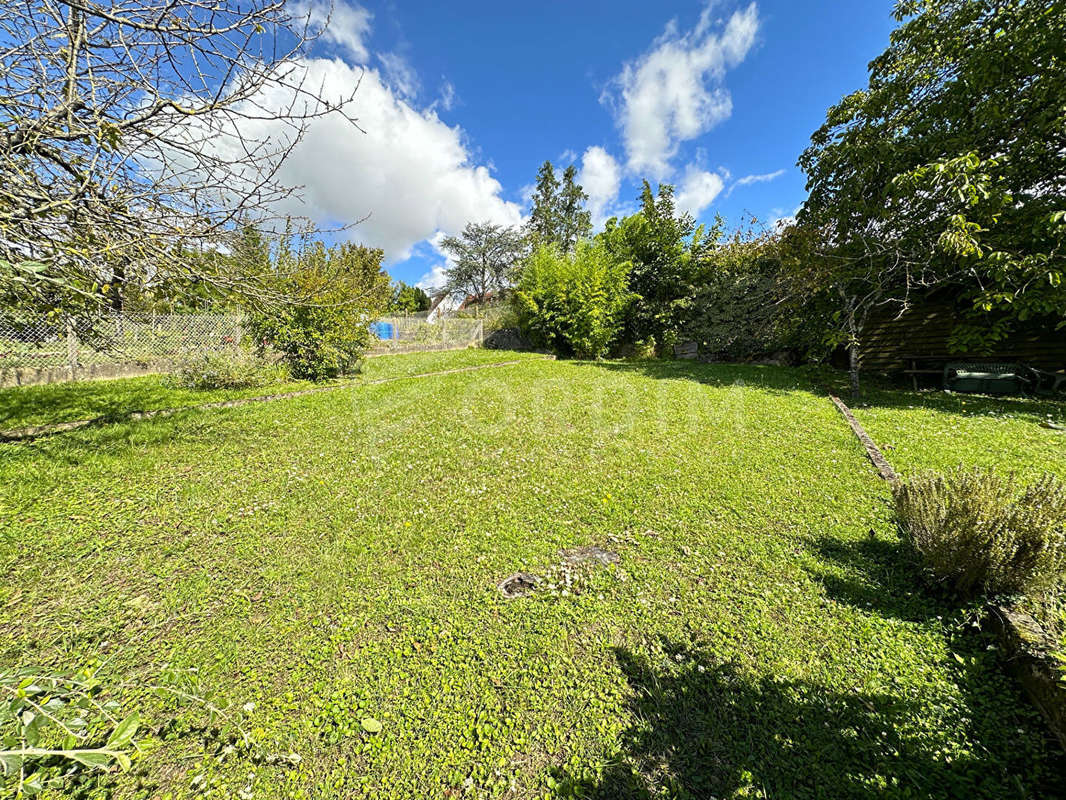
[[924, 330]]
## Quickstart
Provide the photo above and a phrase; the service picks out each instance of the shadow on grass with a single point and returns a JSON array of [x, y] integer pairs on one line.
[[880, 392], [703, 729], [877, 392], [113, 437], [877, 575], [66, 402], [778, 380]]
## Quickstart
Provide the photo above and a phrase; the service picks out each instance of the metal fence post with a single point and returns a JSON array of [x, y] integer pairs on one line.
[[72, 350]]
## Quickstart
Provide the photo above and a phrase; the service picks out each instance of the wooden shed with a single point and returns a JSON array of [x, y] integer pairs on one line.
[[923, 332]]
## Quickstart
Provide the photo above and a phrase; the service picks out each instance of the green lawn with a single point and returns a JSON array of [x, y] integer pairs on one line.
[[940, 431], [67, 402], [334, 558]]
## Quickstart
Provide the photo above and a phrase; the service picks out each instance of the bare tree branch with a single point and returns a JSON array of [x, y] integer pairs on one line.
[[136, 132]]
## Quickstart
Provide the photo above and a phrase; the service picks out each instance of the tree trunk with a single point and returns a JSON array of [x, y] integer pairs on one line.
[[854, 324], [853, 355], [853, 369]]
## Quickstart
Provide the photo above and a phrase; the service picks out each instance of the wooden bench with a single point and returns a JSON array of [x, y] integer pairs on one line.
[[915, 370]]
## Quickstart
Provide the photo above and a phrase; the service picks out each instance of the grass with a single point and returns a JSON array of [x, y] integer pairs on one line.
[[334, 558], [939, 431], [933, 430], [66, 402]]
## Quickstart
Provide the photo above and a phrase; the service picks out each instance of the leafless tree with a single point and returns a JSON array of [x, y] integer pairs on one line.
[[136, 132]]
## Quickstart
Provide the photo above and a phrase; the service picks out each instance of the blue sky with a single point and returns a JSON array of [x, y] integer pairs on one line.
[[461, 102]]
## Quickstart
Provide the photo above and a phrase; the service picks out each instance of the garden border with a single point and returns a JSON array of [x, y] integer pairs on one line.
[[873, 452], [1020, 636], [37, 431]]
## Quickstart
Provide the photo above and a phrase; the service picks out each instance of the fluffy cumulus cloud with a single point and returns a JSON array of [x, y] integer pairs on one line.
[[408, 173], [698, 190], [339, 24], [676, 91], [601, 178], [404, 174], [434, 279]]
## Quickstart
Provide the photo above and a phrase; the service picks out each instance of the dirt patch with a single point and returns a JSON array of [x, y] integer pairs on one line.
[[576, 556], [518, 585]]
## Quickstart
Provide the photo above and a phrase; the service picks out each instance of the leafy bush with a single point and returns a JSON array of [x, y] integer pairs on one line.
[[741, 295], [662, 245], [978, 533], [333, 294], [572, 302], [230, 370]]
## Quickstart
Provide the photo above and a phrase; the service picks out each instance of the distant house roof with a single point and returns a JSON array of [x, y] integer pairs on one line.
[[491, 296]]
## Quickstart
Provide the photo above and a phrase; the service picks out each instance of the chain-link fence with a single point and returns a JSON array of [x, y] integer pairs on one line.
[[415, 333], [40, 351]]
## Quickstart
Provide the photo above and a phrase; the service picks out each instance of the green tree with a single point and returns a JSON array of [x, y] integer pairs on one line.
[[251, 250], [544, 218], [559, 215], [484, 258], [573, 303], [409, 299], [949, 169], [332, 295], [663, 248], [122, 153], [575, 221], [744, 303]]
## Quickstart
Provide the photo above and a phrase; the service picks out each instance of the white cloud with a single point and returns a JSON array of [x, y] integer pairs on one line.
[[769, 176], [410, 174], [526, 192], [601, 178], [446, 101], [779, 220], [698, 190], [434, 279], [346, 26], [400, 74], [676, 92]]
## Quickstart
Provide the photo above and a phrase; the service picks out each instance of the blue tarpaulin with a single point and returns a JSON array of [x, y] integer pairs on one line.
[[383, 330]]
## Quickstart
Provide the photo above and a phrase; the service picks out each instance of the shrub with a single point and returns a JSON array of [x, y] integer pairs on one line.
[[977, 532], [229, 370], [334, 294], [741, 303], [572, 303]]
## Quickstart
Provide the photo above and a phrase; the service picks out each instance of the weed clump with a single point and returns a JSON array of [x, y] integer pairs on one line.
[[228, 370]]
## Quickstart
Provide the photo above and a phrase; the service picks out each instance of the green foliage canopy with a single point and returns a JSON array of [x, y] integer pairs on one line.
[[744, 304], [410, 299], [573, 303], [484, 258], [334, 293], [559, 215], [950, 167], [662, 246]]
